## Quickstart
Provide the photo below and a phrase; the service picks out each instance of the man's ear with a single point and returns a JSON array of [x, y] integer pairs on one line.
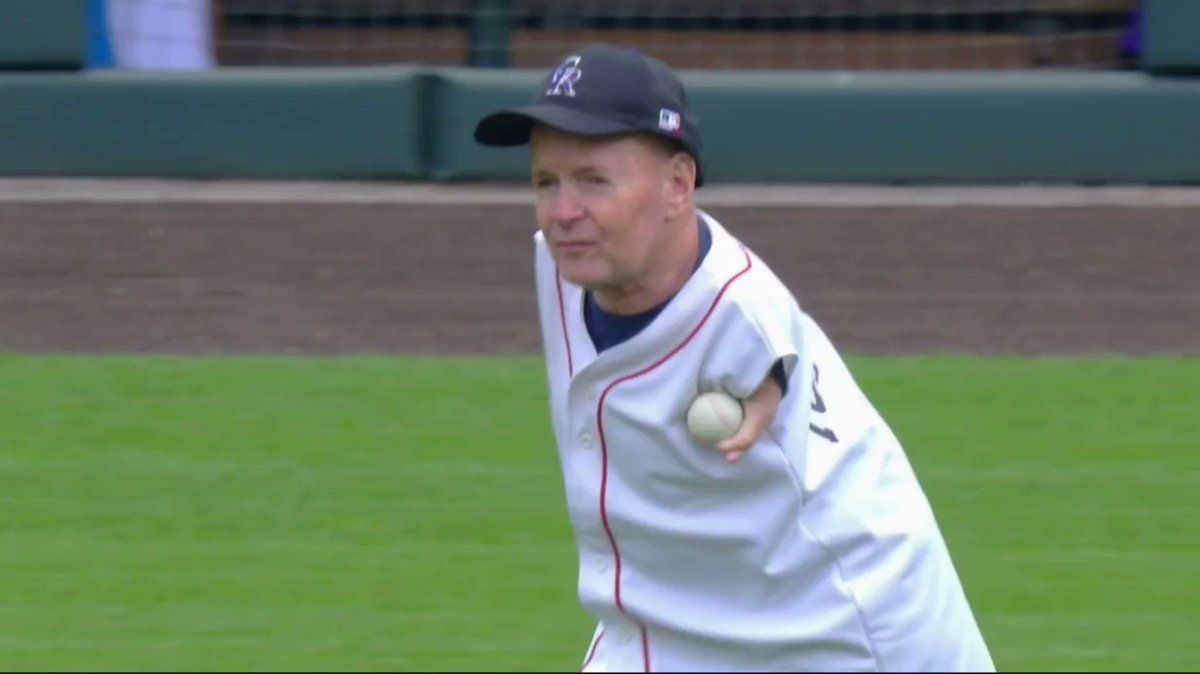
[[681, 183]]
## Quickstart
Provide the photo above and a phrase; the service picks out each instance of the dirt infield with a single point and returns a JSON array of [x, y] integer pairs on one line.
[[399, 278]]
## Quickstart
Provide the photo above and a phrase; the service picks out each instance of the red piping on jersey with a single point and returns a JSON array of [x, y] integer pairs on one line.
[[562, 316], [612, 541], [592, 653]]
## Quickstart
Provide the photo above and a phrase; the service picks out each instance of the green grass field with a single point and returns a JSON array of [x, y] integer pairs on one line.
[[384, 514]]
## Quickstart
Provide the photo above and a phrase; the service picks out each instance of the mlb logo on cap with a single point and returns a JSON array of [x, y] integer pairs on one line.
[[668, 120]]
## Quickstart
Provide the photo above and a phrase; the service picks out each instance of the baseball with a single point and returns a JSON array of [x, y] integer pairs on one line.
[[713, 417]]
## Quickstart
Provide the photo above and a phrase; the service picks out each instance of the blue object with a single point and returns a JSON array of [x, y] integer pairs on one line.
[[1131, 37], [99, 49]]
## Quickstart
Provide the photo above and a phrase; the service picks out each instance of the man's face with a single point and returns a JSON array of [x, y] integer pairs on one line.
[[602, 204]]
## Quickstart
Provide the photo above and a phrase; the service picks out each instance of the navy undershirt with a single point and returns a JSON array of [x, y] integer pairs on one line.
[[608, 330]]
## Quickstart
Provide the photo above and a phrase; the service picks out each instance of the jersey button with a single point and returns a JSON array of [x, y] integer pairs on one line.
[[587, 439]]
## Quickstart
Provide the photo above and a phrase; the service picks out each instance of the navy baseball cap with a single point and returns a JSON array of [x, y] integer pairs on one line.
[[603, 90]]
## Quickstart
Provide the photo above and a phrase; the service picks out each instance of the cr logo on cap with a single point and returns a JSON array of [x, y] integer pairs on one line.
[[562, 82]]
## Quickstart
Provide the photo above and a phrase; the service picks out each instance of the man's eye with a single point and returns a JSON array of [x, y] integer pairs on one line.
[[595, 180]]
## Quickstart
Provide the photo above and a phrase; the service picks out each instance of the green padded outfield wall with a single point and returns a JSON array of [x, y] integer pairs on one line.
[[1171, 36], [255, 123], [999, 127], [42, 34], [1120, 127], [458, 98]]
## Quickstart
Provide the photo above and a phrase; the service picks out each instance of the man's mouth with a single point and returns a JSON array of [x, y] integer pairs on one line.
[[573, 246]]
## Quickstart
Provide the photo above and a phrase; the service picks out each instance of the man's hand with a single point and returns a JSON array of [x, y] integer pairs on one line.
[[758, 413]]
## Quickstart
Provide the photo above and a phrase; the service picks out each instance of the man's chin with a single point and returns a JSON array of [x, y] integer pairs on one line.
[[581, 275]]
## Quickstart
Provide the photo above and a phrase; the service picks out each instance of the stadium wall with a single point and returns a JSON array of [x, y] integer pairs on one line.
[[1171, 43], [765, 126], [42, 34], [1062, 127], [252, 123]]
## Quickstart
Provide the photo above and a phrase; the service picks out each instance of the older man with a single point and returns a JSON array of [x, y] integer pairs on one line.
[[803, 542]]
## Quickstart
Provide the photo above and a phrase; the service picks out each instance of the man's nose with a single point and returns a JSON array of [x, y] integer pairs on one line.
[[565, 209]]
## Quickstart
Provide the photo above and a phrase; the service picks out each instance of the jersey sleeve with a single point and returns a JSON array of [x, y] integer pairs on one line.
[[754, 336]]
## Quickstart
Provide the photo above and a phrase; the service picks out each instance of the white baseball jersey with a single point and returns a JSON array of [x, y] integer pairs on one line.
[[818, 551]]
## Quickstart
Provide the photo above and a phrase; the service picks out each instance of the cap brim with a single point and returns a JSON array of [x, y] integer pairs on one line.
[[513, 127]]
